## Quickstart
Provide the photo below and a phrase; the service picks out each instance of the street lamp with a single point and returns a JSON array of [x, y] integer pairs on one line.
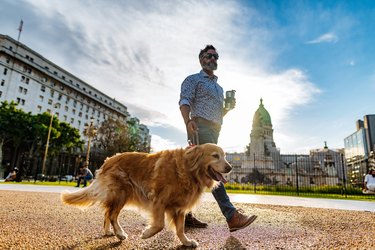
[[90, 131], [47, 144]]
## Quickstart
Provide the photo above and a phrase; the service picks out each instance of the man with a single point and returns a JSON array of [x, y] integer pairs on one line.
[[85, 174], [370, 181], [201, 105]]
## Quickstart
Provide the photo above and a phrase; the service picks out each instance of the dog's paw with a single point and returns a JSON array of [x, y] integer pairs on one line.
[[191, 243], [109, 233], [147, 233], [122, 236], [150, 231]]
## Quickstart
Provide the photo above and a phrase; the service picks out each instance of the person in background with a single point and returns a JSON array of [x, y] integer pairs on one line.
[[12, 175], [202, 109], [369, 183], [85, 174]]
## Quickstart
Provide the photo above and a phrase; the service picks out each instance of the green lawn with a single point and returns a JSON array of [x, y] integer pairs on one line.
[[322, 192]]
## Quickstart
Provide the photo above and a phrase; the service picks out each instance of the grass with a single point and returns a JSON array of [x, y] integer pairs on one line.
[[327, 192]]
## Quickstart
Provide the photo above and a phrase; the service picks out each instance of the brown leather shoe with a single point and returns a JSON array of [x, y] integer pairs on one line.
[[191, 221], [240, 221]]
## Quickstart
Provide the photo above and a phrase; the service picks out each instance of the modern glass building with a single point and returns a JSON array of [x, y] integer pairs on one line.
[[359, 148]]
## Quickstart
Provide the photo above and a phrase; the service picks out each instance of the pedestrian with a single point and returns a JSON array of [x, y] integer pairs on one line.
[[12, 175], [202, 109], [85, 174], [369, 183]]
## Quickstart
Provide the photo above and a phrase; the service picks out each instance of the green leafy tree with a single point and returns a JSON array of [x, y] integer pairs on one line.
[[27, 133], [113, 136]]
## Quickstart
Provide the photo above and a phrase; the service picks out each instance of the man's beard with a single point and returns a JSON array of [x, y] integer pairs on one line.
[[211, 66], [373, 175]]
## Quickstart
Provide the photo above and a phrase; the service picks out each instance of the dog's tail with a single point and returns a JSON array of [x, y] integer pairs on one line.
[[82, 198]]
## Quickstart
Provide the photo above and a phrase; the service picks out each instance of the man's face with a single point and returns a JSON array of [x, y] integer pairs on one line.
[[209, 60], [373, 173]]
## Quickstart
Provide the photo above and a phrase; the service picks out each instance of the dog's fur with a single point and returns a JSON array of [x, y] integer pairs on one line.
[[169, 182]]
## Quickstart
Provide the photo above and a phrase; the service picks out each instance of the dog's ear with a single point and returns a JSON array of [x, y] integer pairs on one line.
[[193, 155]]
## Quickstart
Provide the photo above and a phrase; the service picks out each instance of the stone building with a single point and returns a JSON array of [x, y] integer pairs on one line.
[[263, 163], [39, 85]]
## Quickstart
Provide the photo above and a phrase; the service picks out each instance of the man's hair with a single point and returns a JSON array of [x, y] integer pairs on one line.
[[207, 48]]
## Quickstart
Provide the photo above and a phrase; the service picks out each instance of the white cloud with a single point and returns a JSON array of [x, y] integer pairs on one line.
[[325, 38], [140, 52]]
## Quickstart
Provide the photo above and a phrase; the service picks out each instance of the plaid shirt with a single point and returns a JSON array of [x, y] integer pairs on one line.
[[204, 96]]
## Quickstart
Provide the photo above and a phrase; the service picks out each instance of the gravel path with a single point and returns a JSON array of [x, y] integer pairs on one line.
[[31, 220]]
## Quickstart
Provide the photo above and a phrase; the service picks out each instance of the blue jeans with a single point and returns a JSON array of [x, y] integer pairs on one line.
[[210, 134]]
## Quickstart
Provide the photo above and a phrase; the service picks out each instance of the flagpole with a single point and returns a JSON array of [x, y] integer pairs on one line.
[[20, 30]]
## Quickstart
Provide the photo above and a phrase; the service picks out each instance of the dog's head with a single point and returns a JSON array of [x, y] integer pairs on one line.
[[208, 159]]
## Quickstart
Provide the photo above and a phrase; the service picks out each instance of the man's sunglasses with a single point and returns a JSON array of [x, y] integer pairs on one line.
[[210, 56]]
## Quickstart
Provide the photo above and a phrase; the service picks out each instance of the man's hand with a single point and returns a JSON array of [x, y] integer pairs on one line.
[[192, 127]]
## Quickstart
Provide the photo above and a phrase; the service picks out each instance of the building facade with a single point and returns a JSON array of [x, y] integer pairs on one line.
[[359, 150], [38, 85], [263, 164]]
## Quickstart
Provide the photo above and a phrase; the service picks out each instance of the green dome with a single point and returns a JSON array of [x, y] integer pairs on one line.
[[261, 116]]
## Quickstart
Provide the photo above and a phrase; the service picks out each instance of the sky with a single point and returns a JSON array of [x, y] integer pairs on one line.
[[312, 62]]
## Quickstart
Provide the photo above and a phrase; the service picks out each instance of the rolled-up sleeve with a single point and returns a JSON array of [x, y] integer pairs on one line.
[[187, 94]]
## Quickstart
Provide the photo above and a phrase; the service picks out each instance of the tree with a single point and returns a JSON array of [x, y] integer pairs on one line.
[[113, 136], [27, 133]]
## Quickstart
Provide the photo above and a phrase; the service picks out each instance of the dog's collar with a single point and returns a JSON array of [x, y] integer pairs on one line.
[[191, 144]]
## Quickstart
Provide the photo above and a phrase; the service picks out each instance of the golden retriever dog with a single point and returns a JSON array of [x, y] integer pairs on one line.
[[167, 183]]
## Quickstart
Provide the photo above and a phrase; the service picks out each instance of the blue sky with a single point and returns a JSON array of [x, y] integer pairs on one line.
[[310, 61]]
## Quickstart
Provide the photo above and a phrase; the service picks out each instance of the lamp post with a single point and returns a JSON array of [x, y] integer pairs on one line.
[[90, 131], [47, 144]]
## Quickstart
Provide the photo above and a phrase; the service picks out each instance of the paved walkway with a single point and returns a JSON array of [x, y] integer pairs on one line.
[[241, 198]]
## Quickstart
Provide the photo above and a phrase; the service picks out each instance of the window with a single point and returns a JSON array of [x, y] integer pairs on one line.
[[8, 59], [5, 71], [65, 117], [80, 114], [43, 88], [20, 89], [74, 111], [25, 91], [26, 69], [71, 120], [57, 114], [66, 108], [2, 82], [50, 101], [27, 80], [52, 92], [79, 123], [1, 92], [60, 96], [39, 108], [41, 98]]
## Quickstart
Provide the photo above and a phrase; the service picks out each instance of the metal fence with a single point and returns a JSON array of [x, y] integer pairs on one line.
[[317, 174]]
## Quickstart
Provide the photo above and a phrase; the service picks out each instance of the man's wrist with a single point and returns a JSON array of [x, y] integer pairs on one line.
[[188, 121]]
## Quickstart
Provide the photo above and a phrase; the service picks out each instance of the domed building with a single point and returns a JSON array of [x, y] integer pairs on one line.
[[261, 137]]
